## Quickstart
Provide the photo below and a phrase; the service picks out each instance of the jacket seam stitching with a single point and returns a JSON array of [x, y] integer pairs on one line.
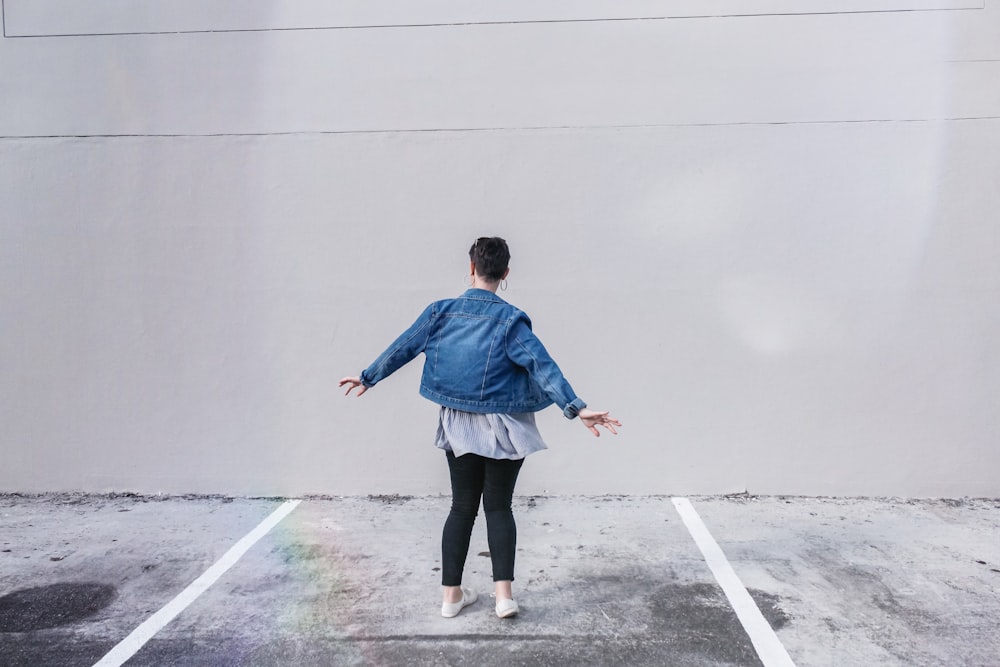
[[486, 370]]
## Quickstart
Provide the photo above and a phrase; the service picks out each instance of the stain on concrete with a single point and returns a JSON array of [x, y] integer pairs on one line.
[[634, 614], [391, 499], [872, 583], [52, 606], [917, 619], [701, 621], [49, 649]]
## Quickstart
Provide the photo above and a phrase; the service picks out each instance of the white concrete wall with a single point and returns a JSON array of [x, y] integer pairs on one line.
[[768, 243]]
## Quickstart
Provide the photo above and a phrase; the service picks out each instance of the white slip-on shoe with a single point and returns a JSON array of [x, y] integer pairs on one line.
[[506, 608], [451, 609]]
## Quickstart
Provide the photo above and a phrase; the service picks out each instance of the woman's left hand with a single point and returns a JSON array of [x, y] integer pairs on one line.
[[592, 419], [355, 383]]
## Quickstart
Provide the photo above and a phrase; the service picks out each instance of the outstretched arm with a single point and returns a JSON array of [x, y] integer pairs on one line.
[[524, 349], [407, 346], [354, 384], [592, 419]]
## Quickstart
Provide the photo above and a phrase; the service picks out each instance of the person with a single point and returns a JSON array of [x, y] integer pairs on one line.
[[489, 373]]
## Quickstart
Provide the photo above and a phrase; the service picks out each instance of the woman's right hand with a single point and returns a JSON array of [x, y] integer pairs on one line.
[[354, 382], [592, 419]]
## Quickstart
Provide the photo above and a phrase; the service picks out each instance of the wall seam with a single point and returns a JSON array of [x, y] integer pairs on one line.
[[463, 130]]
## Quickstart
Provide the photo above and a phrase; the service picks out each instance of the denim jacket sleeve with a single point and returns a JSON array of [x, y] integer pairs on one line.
[[526, 350], [403, 350]]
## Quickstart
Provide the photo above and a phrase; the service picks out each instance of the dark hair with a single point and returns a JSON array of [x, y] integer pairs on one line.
[[491, 256]]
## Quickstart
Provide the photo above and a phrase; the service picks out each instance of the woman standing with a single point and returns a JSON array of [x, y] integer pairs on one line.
[[490, 374]]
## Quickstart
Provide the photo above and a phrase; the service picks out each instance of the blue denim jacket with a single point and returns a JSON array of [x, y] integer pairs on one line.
[[480, 356]]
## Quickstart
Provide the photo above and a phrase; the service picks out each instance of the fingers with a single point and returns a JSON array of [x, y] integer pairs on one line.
[[592, 420], [360, 387], [608, 423], [353, 383]]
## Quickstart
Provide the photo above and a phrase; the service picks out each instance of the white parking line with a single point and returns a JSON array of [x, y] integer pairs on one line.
[[129, 646], [769, 648]]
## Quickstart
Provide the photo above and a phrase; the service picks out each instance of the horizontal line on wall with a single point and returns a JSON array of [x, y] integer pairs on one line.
[[457, 130], [480, 23]]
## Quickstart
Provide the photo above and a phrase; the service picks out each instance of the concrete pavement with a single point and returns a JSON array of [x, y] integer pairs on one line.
[[605, 580]]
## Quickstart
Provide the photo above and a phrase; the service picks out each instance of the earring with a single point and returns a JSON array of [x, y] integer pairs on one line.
[[503, 285]]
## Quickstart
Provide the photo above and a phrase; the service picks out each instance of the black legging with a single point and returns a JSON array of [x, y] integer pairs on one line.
[[472, 477]]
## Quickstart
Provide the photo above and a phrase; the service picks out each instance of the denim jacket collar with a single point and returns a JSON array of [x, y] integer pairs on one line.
[[481, 294]]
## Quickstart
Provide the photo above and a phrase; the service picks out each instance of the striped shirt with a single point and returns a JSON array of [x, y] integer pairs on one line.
[[495, 436]]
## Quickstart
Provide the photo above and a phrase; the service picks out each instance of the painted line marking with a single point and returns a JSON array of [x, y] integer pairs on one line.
[[129, 646], [769, 648]]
